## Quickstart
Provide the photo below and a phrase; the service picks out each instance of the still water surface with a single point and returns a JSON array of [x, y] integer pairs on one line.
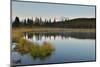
[[69, 47]]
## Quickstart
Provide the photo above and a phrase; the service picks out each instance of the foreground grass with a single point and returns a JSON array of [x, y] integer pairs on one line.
[[17, 33], [36, 50]]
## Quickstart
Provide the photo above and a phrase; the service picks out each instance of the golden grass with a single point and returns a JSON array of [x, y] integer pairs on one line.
[[52, 30], [16, 35]]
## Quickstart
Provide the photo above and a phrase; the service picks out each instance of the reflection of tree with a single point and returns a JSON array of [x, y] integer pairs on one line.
[[64, 35], [36, 50], [38, 36], [82, 35], [30, 36]]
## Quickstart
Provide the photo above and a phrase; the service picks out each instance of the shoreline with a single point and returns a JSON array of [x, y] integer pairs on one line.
[[53, 30], [17, 33]]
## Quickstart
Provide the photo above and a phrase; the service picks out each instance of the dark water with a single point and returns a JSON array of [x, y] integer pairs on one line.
[[69, 47]]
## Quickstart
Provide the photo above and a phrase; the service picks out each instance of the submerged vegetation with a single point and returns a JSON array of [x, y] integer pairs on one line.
[[36, 50]]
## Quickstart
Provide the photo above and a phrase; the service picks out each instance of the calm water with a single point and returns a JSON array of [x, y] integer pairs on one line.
[[69, 47]]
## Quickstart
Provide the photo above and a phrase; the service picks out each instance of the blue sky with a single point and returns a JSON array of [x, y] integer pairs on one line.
[[46, 11]]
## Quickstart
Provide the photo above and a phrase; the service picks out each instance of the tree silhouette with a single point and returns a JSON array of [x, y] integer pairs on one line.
[[54, 20], [36, 21], [40, 21], [64, 23], [49, 20], [16, 23], [29, 22], [24, 23]]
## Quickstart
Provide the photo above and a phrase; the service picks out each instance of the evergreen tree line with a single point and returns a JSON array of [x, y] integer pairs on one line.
[[64, 23]]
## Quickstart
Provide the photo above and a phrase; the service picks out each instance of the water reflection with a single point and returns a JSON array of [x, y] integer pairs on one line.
[[65, 35], [47, 47]]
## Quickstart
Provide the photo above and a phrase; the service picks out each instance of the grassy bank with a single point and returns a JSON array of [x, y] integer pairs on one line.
[[17, 33]]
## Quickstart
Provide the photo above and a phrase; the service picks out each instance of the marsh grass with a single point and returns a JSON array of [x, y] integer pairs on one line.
[[36, 50]]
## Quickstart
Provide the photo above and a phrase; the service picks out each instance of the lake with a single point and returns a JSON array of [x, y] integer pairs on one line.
[[68, 47]]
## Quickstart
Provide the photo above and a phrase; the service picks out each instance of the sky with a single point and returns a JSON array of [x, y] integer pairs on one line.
[[50, 11]]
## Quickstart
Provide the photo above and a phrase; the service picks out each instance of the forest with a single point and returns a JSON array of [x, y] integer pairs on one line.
[[64, 23]]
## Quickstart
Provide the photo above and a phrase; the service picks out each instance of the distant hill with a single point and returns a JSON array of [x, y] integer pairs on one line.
[[75, 23], [82, 23]]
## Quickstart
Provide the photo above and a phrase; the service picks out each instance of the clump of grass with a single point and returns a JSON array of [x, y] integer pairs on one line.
[[45, 49], [22, 46], [41, 51], [36, 50]]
